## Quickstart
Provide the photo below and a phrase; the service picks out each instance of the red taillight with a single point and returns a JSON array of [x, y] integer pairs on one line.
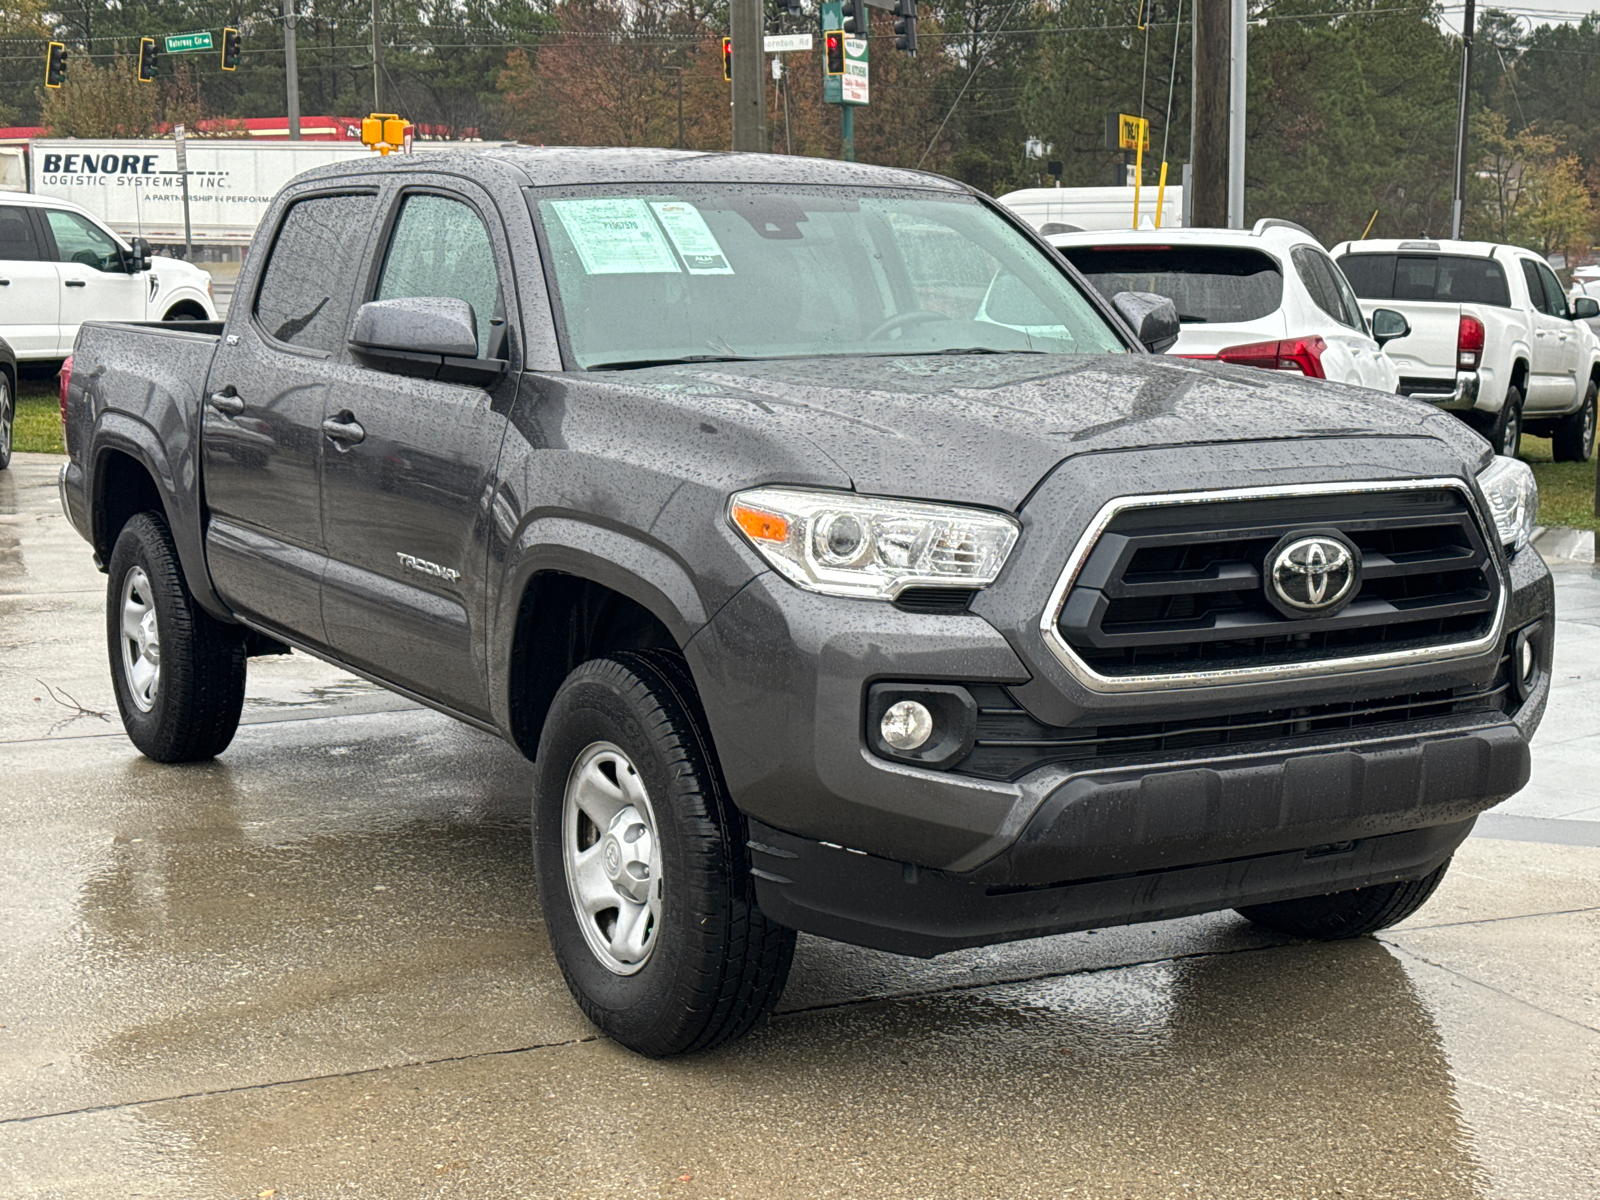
[[66, 377], [1291, 354], [1469, 344]]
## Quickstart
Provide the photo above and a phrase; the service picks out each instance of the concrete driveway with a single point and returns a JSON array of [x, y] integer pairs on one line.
[[315, 968]]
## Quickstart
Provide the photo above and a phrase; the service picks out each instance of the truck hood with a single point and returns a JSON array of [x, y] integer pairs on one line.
[[987, 428]]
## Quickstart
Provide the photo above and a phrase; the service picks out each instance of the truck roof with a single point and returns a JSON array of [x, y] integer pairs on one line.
[[1420, 246], [562, 166]]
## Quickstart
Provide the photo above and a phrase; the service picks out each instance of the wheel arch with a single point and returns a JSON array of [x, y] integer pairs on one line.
[[130, 475], [186, 310]]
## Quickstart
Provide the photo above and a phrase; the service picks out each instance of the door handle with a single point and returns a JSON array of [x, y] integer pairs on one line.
[[77, 283], [227, 401], [348, 432]]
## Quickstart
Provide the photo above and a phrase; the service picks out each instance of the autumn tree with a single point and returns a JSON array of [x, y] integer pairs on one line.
[[1530, 190]]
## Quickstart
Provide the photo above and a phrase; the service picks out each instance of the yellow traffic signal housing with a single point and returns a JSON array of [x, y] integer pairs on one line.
[[232, 44], [55, 64], [384, 132], [147, 60], [727, 59]]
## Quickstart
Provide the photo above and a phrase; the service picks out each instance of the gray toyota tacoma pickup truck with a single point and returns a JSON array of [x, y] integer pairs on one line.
[[841, 559]]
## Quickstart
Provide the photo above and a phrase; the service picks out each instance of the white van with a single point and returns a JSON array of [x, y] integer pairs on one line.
[[60, 267], [1070, 210]]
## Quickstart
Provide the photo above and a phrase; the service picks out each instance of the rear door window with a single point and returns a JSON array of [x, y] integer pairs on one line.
[[1445, 278], [1536, 296], [1208, 284], [17, 240], [310, 277], [1320, 278]]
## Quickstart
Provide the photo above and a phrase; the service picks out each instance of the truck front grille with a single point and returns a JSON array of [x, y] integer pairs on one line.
[[1174, 589], [1011, 743]]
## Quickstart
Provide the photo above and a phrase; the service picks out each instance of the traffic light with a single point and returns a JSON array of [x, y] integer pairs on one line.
[[833, 43], [905, 26], [792, 5], [775, 24], [727, 59], [855, 16], [55, 65], [231, 43], [147, 60]]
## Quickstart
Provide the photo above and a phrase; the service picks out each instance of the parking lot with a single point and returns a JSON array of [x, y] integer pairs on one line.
[[316, 967]]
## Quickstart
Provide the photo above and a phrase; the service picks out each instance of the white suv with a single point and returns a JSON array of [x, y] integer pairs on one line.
[[1267, 297], [60, 267]]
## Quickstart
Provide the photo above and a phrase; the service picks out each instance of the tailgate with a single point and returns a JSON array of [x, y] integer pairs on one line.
[[1429, 351]]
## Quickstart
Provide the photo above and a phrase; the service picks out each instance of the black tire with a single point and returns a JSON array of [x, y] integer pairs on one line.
[[715, 965], [1347, 914], [8, 420], [191, 711], [1572, 438], [1505, 432]]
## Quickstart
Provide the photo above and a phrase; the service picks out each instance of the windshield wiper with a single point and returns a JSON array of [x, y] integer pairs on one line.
[[985, 350], [1191, 319], [633, 364]]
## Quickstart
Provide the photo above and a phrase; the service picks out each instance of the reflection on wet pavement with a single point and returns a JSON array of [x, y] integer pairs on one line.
[[316, 967]]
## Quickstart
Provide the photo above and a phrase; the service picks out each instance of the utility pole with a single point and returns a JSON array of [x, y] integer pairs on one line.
[[377, 62], [749, 86], [1468, 25], [1238, 86], [1208, 114], [291, 69]]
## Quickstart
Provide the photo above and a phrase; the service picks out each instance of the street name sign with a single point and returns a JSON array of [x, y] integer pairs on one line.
[[780, 43], [183, 43]]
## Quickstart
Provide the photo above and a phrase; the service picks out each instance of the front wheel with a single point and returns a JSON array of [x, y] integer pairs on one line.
[[1572, 439], [179, 672], [1347, 914], [642, 863]]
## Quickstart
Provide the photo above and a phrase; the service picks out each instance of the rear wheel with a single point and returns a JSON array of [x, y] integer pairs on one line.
[[8, 421], [1505, 433], [1572, 438], [1347, 914], [179, 672], [642, 863]]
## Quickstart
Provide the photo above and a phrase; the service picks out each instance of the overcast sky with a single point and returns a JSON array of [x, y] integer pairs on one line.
[[1533, 12]]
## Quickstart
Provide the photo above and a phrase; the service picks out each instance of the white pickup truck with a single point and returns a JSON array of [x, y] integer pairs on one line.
[[1493, 337]]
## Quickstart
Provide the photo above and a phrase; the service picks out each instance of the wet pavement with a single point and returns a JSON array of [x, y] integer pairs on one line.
[[315, 968]]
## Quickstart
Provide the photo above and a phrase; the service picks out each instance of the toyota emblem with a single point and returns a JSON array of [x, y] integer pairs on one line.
[[1312, 576]]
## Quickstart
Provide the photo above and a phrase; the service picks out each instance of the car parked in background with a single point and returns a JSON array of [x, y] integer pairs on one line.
[[1264, 297], [1492, 338], [60, 267]]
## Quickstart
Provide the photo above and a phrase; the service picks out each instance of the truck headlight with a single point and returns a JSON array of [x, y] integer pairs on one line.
[[842, 544], [1513, 497]]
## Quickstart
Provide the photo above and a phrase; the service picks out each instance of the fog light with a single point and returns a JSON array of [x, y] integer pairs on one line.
[[907, 725], [1524, 663]]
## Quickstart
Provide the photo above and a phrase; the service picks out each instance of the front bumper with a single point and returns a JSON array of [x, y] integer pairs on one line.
[[868, 901]]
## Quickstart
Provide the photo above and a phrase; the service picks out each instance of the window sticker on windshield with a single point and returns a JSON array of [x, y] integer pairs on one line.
[[616, 237], [701, 251]]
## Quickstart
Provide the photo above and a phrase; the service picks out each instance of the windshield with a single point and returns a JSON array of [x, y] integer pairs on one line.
[[1215, 285], [645, 275]]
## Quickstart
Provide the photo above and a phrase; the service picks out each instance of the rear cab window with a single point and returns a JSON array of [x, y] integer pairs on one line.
[[310, 276], [1441, 278], [1208, 284]]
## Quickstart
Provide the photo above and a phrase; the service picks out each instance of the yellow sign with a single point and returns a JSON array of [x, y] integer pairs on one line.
[[1132, 131], [384, 132]]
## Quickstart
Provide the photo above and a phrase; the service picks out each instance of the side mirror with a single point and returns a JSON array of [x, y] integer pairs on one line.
[[434, 337], [1388, 325], [1153, 317], [1585, 308], [139, 255]]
